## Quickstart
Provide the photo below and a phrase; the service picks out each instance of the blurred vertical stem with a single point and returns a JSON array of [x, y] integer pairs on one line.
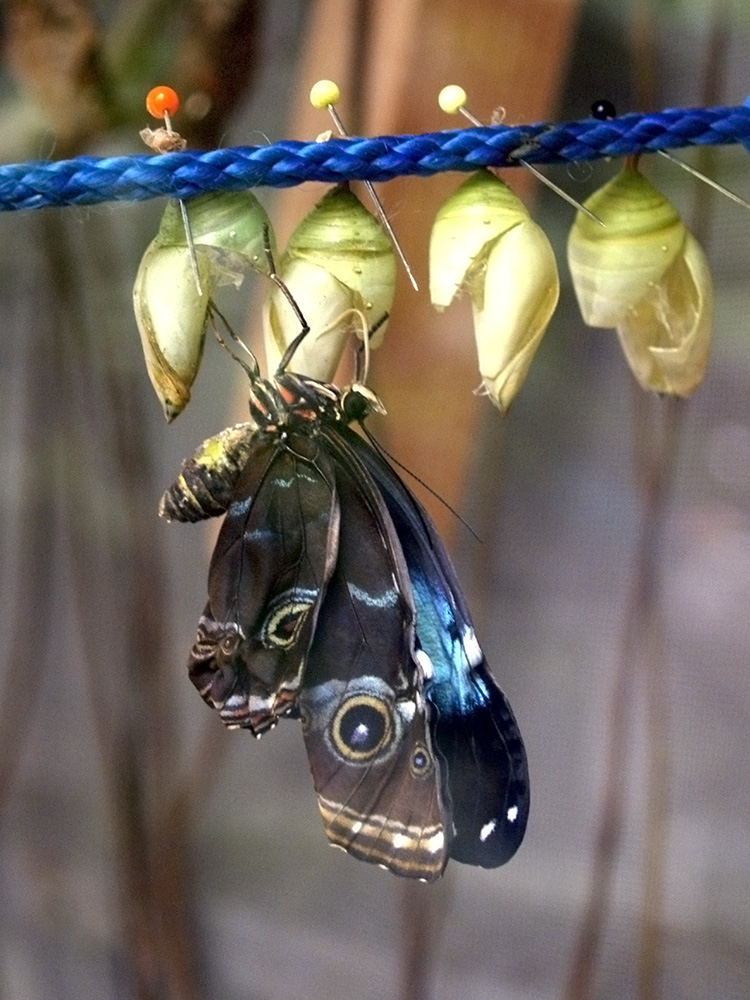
[[423, 913], [712, 92], [88, 493], [656, 427], [656, 431], [417, 955], [107, 494], [26, 662], [657, 717], [643, 50]]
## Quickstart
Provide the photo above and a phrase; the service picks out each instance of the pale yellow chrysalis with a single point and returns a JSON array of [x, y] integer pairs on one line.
[[484, 240], [228, 231], [645, 275], [338, 261]]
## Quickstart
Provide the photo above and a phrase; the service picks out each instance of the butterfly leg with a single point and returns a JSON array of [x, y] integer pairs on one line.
[[273, 274], [215, 313]]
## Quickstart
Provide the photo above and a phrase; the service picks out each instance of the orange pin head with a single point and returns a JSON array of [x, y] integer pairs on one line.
[[161, 102]]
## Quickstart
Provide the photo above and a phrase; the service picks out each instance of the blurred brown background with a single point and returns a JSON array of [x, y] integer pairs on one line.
[[147, 853]]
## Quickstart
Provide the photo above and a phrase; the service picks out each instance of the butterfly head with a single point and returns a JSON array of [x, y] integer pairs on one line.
[[358, 402]]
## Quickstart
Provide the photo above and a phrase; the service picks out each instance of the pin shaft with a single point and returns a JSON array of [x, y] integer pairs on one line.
[[705, 178], [186, 224], [384, 220], [540, 176]]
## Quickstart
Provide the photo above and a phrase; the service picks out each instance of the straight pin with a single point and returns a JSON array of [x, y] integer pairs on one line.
[[705, 178], [325, 94], [452, 100], [162, 102], [605, 110]]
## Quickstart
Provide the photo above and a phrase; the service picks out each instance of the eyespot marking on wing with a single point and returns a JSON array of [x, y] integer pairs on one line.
[[282, 625]]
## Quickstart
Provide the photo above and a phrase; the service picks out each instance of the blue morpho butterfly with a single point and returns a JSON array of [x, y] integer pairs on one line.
[[331, 598]]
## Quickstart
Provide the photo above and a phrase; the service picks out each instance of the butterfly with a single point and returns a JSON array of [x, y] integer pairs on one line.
[[332, 599]]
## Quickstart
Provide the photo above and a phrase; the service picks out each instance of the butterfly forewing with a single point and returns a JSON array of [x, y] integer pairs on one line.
[[273, 557], [476, 739], [363, 715]]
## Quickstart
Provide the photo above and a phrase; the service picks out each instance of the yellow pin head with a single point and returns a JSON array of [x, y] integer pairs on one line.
[[452, 98], [324, 94]]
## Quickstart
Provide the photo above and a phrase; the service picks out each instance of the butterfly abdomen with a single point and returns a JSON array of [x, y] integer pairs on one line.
[[206, 482]]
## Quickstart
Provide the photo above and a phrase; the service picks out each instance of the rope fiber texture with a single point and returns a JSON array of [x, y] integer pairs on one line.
[[89, 180]]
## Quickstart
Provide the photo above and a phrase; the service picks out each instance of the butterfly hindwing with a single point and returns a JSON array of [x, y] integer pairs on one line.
[[363, 715], [475, 736]]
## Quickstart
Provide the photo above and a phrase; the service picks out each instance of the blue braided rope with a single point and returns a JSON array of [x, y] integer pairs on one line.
[[88, 180]]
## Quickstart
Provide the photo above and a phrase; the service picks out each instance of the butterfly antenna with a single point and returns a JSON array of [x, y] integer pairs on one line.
[[364, 350], [391, 458]]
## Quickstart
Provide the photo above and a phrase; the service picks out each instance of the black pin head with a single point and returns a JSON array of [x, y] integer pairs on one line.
[[603, 110]]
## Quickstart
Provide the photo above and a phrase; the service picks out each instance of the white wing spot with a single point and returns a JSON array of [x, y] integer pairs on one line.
[[407, 710], [435, 844], [424, 663], [387, 599], [513, 814], [472, 648], [487, 829]]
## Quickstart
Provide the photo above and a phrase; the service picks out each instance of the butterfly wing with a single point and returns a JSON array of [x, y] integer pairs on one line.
[[274, 555], [475, 735], [363, 716]]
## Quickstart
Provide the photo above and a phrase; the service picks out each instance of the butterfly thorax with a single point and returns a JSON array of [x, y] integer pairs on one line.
[[292, 402], [289, 412]]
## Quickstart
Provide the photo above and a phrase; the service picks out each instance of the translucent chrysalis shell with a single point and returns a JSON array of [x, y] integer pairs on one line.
[[228, 233], [646, 275], [338, 259], [484, 240]]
